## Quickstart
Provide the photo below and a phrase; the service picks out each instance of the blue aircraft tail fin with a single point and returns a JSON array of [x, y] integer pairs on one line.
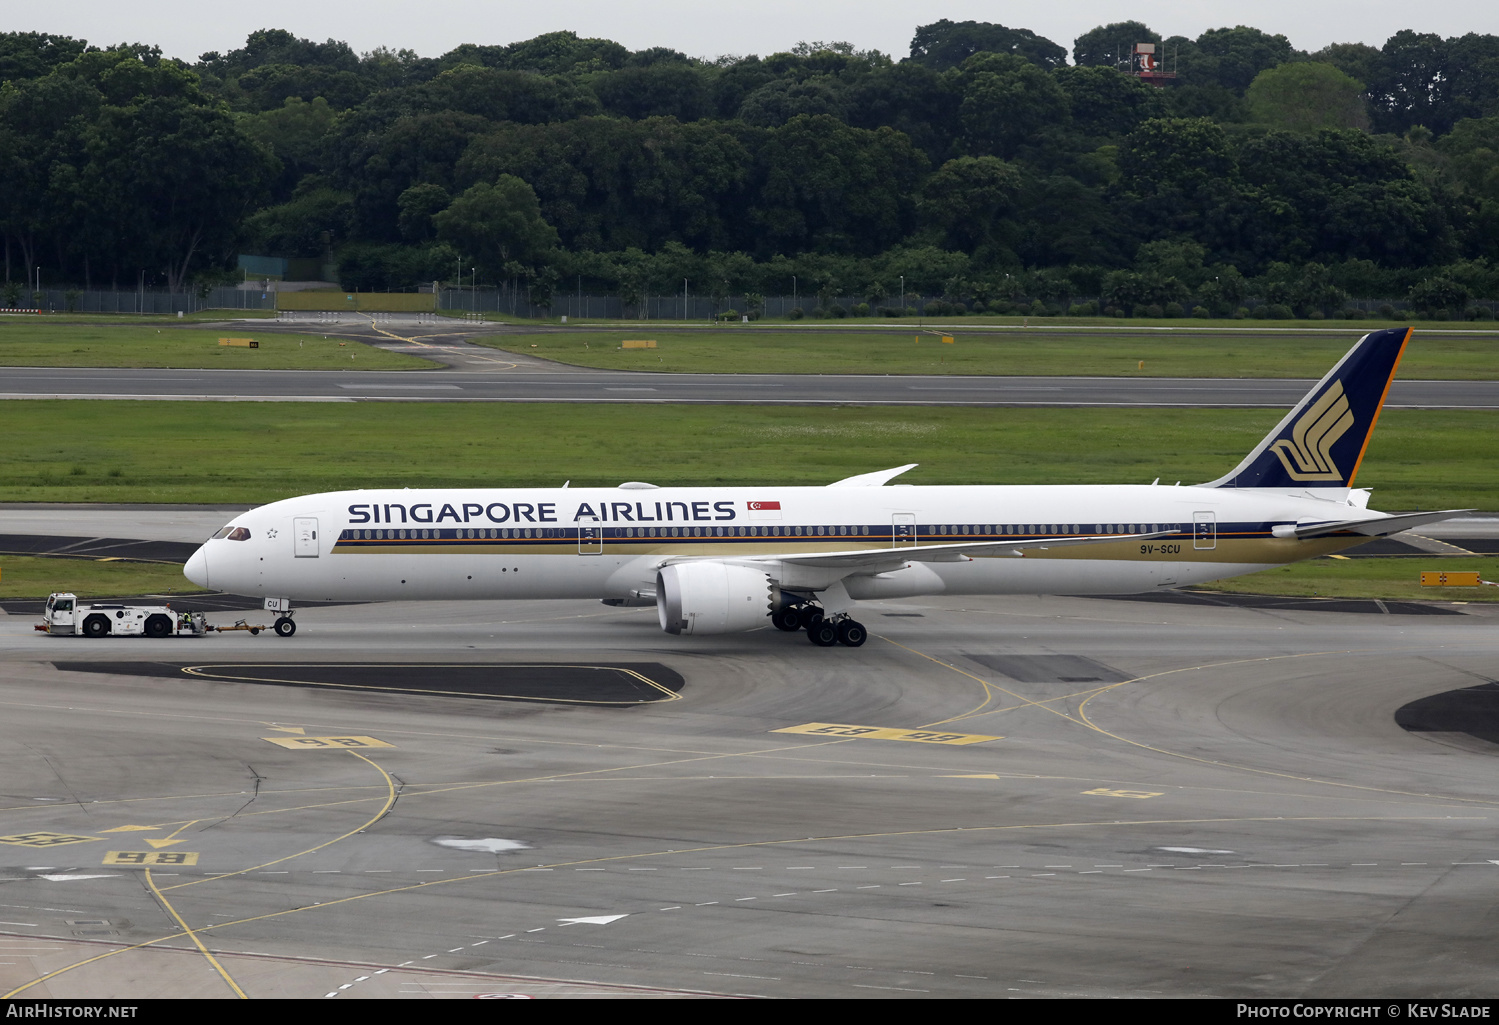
[[1321, 442]]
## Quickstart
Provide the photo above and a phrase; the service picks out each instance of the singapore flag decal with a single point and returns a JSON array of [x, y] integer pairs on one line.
[[764, 510]]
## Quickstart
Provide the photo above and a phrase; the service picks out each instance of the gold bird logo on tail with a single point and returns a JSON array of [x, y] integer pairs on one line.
[[1307, 454]]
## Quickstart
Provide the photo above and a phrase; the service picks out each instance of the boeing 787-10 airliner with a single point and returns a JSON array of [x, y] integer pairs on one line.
[[727, 559]]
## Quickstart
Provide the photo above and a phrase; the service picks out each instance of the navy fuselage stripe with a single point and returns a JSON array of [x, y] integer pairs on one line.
[[462, 537]]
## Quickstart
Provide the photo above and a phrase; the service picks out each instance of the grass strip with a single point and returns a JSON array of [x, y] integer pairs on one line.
[[1389, 579], [229, 452], [32, 576], [30, 344], [1173, 352]]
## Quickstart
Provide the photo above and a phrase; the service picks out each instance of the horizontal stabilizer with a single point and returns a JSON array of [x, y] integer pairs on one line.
[[1369, 526]]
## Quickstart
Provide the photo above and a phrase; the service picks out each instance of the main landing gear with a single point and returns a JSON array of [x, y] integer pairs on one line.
[[821, 630]]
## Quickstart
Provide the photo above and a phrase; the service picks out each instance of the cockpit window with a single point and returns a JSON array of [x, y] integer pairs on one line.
[[232, 533], [221, 533]]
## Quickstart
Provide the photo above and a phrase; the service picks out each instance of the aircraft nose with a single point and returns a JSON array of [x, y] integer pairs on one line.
[[196, 569]]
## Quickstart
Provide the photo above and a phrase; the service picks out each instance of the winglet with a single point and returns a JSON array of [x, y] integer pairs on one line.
[[879, 478], [1321, 442]]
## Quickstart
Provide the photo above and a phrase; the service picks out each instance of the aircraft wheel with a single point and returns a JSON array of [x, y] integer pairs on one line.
[[823, 634], [96, 626], [788, 619], [285, 626], [851, 633], [811, 615]]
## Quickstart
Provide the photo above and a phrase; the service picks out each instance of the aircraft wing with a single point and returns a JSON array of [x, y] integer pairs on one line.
[[878, 559], [1371, 526]]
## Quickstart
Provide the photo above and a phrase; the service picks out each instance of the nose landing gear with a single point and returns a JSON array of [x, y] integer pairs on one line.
[[284, 626]]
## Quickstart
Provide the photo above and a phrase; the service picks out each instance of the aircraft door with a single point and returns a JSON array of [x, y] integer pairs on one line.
[[1205, 530], [903, 530], [590, 536], [304, 533]]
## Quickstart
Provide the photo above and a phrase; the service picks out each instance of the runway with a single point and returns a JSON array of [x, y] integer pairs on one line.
[[1059, 797], [506, 381]]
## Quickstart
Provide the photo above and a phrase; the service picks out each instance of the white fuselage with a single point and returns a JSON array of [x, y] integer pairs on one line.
[[530, 543]]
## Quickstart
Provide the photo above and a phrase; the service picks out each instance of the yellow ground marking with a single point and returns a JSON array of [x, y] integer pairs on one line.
[[708, 849], [325, 743], [204, 671], [1106, 792], [850, 732], [390, 800], [130, 829], [976, 775], [44, 839], [1082, 719], [429, 345], [167, 840], [194, 936], [145, 859], [289, 729]]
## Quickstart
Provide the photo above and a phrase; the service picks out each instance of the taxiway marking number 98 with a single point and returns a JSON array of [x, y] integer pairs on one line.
[[325, 743], [146, 858]]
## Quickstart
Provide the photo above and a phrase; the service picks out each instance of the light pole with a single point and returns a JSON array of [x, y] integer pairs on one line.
[[684, 298], [793, 291], [902, 295], [473, 287]]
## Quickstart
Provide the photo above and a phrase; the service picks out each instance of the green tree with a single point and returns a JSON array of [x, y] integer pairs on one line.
[[1231, 57], [1338, 195], [25, 55], [1358, 61], [910, 98], [418, 204], [314, 220], [297, 133], [660, 89], [947, 44], [498, 226], [1433, 294], [1007, 102], [1172, 259], [1104, 101], [966, 197], [777, 102], [834, 188], [1304, 97], [1111, 45]]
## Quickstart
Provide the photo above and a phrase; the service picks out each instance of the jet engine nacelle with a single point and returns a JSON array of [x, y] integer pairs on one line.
[[710, 597]]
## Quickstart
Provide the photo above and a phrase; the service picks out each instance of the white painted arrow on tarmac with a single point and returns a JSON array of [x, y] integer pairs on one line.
[[596, 920]]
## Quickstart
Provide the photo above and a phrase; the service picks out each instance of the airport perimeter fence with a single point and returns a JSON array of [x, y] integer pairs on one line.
[[702, 308], [656, 307], [611, 307], [58, 300]]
